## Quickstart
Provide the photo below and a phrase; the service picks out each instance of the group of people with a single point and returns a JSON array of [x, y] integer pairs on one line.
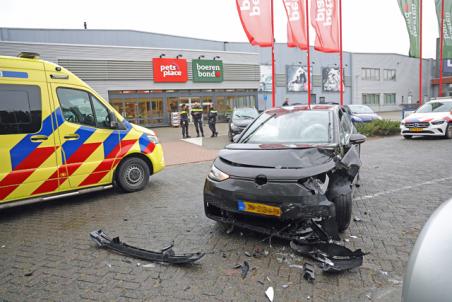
[[196, 113]]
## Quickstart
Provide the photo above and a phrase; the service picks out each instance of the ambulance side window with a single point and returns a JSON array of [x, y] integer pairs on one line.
[[101, 112], [20, 109], [76, 106]]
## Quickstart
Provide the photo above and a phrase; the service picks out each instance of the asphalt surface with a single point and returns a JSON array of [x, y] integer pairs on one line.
[[46, 253]]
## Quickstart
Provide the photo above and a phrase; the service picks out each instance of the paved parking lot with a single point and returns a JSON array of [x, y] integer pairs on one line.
[[46, 253]]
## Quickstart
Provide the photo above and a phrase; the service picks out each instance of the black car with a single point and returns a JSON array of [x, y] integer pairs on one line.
[[241, 118], [292, 164]]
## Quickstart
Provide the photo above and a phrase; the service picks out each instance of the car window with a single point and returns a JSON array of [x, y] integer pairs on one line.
[[292, 127], [245, 113], [101, 113], [346, 129], [76, 106], [361, 109], [20, 109], [436, 107]]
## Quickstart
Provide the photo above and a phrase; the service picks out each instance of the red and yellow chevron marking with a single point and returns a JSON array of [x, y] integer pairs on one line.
[[64, 171], [110, 162], [26, 168]]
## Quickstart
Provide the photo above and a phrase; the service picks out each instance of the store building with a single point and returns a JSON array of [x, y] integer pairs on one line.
[[119, 65]]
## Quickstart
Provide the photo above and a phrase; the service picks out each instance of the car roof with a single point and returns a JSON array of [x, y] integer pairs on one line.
[[447, 100], [316, 107]]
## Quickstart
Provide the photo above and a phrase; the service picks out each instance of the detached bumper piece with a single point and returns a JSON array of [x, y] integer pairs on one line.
[[331, 257], [166, 255]]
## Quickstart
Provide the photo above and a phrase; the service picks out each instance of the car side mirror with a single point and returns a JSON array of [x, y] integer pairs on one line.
[[236, 138], [357, 138]]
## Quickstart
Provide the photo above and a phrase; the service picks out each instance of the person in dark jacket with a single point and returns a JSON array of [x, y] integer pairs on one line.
[[184, 121], [196, 113], [213, 121]]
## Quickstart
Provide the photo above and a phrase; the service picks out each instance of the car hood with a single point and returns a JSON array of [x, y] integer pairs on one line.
[[242, 123], [427, 117], [366, 116], [245, 160], [143, 129]]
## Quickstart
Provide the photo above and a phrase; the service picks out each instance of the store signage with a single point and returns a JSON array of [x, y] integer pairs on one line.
[[207, 71], [170, 70]]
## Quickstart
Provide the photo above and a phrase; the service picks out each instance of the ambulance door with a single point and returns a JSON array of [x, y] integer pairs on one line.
[[28, 146], [89, 144]]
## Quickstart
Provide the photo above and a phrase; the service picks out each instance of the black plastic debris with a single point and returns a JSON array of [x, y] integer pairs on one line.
[[244, 269], [331, 257], [165, 255], [308, 272]]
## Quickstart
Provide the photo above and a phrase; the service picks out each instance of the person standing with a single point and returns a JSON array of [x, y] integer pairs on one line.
[[213, 121], [196, 113], [286, 102], [184, 121]]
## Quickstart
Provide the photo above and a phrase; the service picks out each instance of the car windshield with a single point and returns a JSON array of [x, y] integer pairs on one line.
[[360, 109], [435, 107], [245, 113], [296, 127]]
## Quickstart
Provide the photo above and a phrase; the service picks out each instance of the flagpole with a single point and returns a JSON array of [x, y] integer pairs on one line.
[[273, 59], [441, 42], [420, 53], [309, 55], [341, 62]]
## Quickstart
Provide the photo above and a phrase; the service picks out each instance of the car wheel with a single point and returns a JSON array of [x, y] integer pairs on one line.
[[449, 131], [133, 174], [343, 205], [407, 136]]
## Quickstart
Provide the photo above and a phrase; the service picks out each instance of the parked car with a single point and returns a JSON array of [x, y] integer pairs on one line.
[[58, 137], [292, 163], [434, 118], [241, 118], [362, 114], [429, 257]]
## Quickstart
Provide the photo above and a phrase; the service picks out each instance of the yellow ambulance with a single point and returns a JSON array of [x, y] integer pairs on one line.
[[58, 137]]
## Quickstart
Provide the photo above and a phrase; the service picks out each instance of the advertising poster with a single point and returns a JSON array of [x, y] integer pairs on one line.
[[265, 83], [331, 79], [297, 78]]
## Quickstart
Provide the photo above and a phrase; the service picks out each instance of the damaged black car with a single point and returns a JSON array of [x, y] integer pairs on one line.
[[291, 166]]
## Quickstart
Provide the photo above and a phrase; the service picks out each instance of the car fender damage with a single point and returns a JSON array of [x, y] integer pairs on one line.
[[166, 255]]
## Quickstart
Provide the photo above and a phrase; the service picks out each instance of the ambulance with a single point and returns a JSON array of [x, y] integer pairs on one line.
[[58, 137]]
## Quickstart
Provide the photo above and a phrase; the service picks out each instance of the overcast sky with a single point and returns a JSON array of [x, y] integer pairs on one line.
[[368, 25]]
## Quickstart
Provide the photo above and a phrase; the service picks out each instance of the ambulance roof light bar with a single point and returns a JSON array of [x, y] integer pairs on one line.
[[28, 55]]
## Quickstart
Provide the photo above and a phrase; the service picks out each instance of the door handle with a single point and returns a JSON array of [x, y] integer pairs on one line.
[[38, 138], [73, 136]]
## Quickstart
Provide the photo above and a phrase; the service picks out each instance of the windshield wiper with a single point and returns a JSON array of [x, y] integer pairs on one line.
[[246, 138], [247, 116]]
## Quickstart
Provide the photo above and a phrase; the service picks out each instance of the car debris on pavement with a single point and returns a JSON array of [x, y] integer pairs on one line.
[[308, 272], [270, 293], [166, 255]]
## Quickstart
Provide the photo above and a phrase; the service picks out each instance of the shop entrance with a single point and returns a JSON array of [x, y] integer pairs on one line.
[[153, 108]]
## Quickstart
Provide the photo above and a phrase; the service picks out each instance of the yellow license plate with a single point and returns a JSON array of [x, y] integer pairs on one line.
[[259, 208], [416, 129]]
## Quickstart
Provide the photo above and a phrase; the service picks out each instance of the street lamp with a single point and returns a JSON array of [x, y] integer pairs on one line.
[[179, 56], [162, 55], [201, 56], [216, 57]]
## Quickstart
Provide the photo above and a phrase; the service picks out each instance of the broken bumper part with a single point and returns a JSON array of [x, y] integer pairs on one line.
[[165, 255]]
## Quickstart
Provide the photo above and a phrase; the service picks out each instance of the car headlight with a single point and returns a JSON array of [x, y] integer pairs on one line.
[[234, 127], [402, 123], [217, 175], [153, 138], [437, 122]]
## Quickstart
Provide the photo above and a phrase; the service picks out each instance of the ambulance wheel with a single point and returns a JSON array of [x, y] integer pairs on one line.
[[407, 136], [133, 174]]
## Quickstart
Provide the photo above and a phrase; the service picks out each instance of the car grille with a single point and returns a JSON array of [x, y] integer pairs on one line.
[[417, 125]]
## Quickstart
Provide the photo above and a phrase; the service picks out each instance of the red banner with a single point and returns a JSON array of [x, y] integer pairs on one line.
[[325, 20], [296, 24], [170, 70], [255, 16]]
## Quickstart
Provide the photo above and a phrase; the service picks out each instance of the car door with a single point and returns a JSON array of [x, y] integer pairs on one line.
[[28, 144], [89, 143]]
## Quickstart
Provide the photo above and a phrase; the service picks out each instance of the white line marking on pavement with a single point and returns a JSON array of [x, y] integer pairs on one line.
[[405, 188]]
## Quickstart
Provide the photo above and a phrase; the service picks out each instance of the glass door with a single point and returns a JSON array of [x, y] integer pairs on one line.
[[142, 111], [155, 111], [130, 109]]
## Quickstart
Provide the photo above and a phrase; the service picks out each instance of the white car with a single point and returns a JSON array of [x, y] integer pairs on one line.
[[434, 118]]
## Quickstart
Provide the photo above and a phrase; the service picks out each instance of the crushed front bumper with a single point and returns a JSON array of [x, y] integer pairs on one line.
[[222, 202]]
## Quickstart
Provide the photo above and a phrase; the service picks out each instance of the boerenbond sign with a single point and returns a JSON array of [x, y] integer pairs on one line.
[[207, 71]]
